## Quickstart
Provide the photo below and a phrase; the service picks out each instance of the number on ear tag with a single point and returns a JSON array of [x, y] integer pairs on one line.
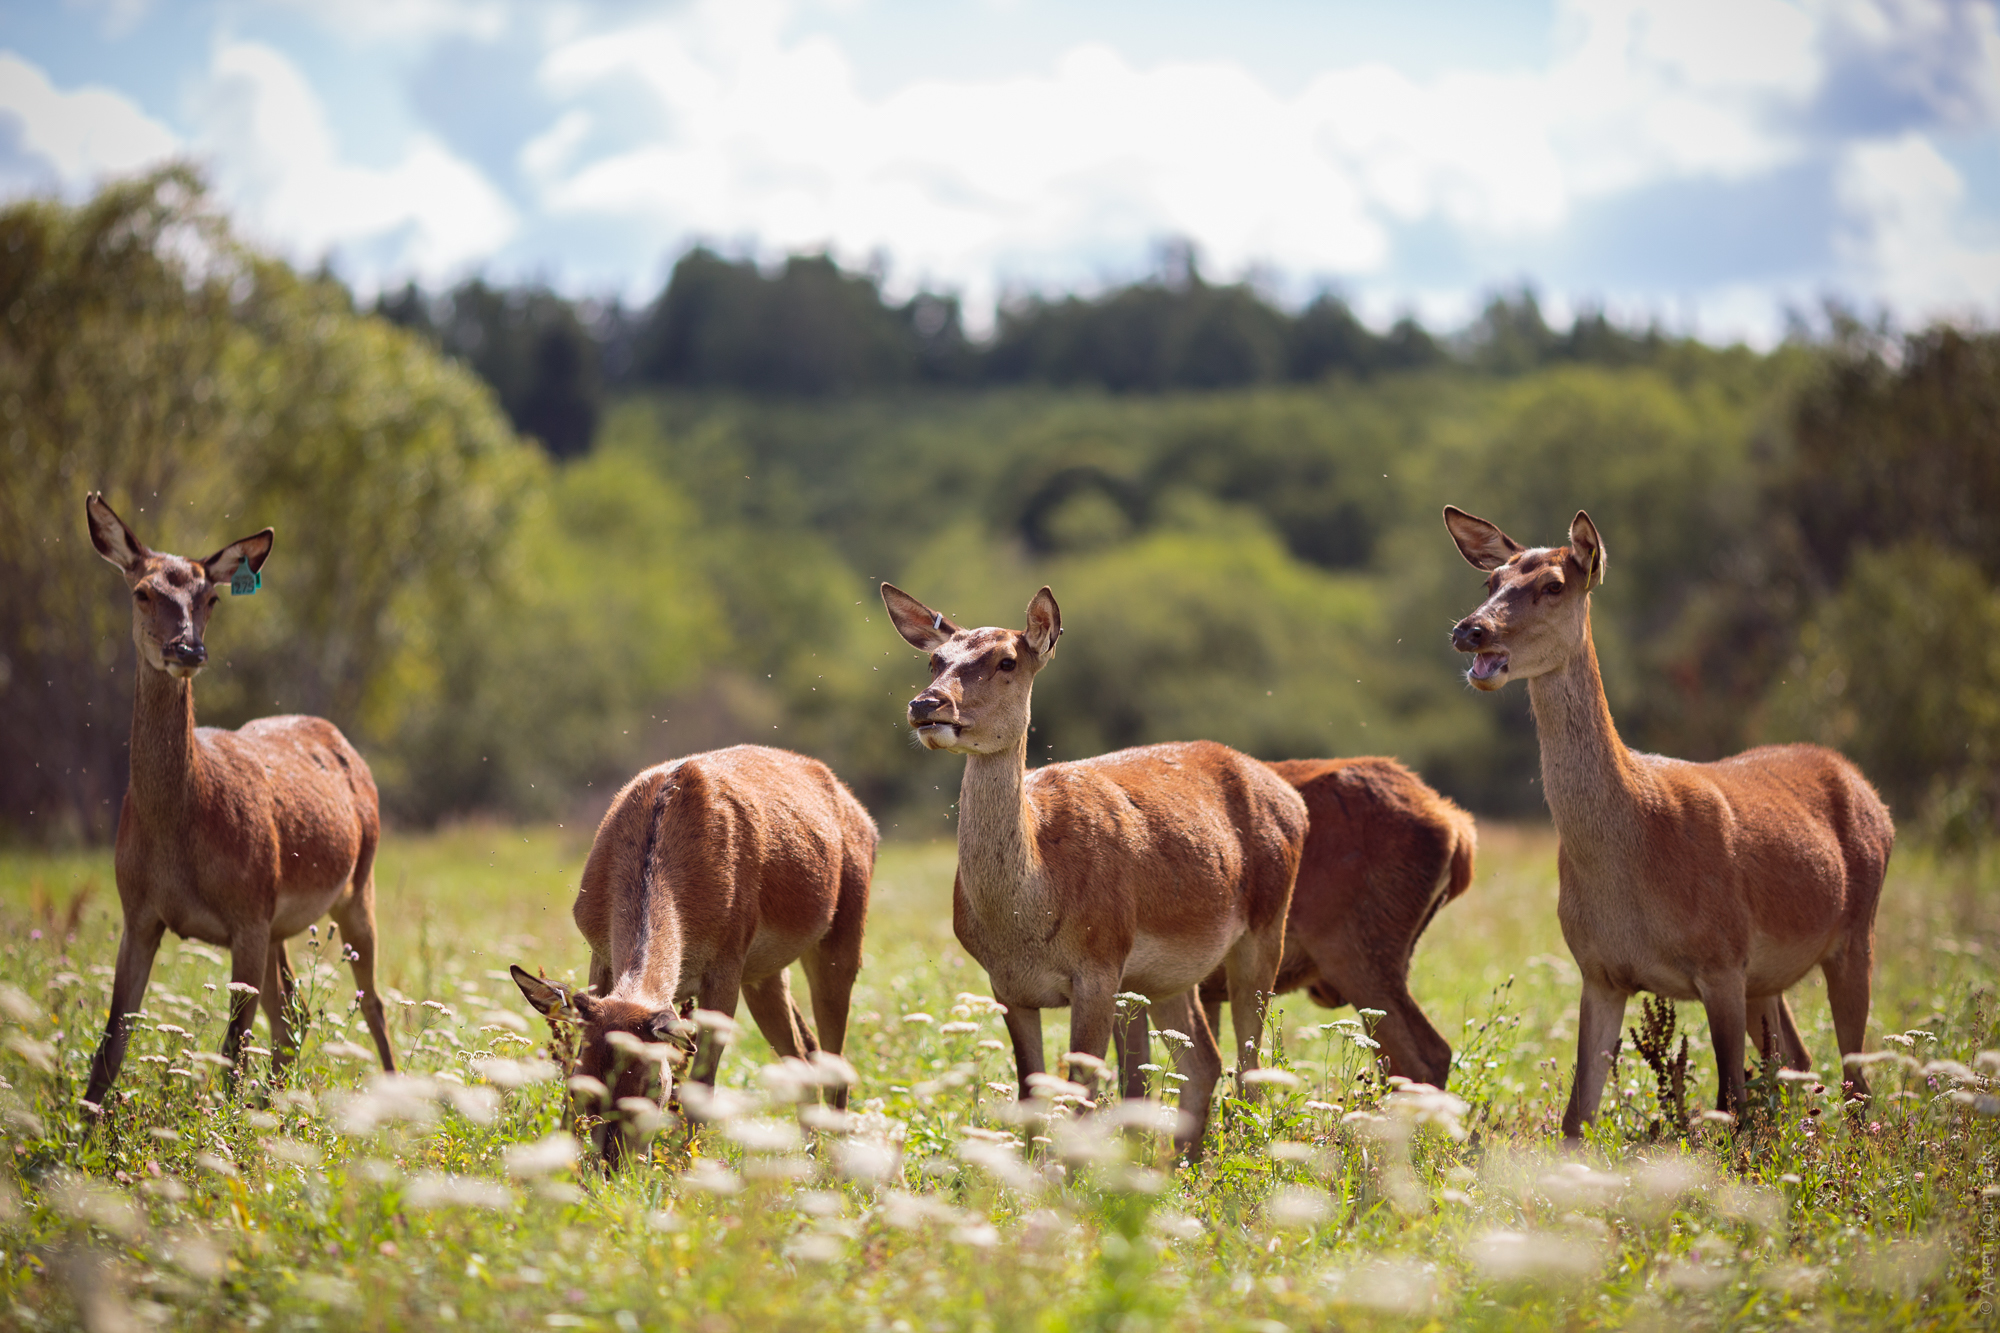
[[245, 580]]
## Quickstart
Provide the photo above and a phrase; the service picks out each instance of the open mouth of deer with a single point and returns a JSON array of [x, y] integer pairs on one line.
[[1488, 665], [937, 735]]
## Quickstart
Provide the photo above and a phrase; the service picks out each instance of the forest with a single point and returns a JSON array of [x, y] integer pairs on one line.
[[528, 545]]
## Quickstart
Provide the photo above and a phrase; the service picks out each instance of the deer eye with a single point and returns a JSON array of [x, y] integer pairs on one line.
[[937, 665], [1006, 664], [1551, 589], [141, 596], [214, 597]]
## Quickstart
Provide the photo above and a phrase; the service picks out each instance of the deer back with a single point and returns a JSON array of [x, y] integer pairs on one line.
[[1167, 835], [743, 852]]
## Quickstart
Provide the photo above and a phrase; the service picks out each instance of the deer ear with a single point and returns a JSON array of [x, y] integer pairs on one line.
[[1483, 545], [220, 566], [1587, 549], [547, 997], [108, 533], [1044, 624], [924, 628]]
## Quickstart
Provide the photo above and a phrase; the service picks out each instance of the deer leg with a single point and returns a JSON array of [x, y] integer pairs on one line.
[[136, 948], [1135, 1048], [1211, 1008], [1598, 1021], [355, 915], [1412, 1046], [1847, 986], [769, 1000], [1252, 968], [831, 967], [1024, 1029], [1728, 1026], [1093, 1014], [277, 997], [248, 952], [1776, 1033], [719, 992], [1201, 1063]]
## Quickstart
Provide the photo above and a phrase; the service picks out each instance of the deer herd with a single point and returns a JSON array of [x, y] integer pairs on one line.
[[1181, 875]]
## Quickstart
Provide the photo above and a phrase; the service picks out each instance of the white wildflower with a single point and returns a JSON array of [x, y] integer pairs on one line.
[[551, 1153], [1295, 1206], [765, 1134], [1268, 1077], [444, 1190]]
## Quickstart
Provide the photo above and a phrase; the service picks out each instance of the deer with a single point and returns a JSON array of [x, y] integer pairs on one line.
[[1384, 852], [239, 839], [1140, 871], [709, 876], [1721, 882]]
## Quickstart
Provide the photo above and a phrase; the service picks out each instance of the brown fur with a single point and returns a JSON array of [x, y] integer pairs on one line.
[[1722, 882], [237, 838], [1141, 870], [1383, 854], [708, 878]]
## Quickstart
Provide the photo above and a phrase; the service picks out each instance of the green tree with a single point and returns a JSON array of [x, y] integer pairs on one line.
[[209, 392]]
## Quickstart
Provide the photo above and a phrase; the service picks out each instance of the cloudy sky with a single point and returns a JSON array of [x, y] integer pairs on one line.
[[1707, 164]]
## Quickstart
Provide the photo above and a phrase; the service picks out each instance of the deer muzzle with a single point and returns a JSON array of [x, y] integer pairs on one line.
[[184, 657]]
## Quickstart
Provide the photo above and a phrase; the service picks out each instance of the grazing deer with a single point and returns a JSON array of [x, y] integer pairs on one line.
[[708, 877], [1141, 870], [236, 838], [1722, 882], [1383, 854]]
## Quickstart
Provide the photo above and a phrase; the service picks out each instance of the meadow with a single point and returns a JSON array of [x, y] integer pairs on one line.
[[453, 1193]]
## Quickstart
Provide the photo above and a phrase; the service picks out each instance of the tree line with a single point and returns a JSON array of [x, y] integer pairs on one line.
[[809, 329], [1801, 543]]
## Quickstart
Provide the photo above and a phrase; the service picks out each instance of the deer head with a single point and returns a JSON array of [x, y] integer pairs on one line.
[[598, 1056], [977, 701], [627, 1048], [171, 596], [1537, 607]]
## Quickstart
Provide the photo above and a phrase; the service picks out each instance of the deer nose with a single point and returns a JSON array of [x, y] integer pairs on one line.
[[923, 706], [1468, 635], [186, 652]]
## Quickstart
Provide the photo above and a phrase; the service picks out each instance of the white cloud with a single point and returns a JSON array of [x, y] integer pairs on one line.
[[403, 20], [71, 140], [1907, 238], [976, 182], [431, 215]]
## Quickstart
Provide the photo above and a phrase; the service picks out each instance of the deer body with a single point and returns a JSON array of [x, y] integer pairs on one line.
[[1143, 870], [708, 878], [1383, 854], [241, 838], [1721, 882]]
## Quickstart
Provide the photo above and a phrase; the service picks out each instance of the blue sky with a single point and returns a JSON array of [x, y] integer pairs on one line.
[[1707, 164]]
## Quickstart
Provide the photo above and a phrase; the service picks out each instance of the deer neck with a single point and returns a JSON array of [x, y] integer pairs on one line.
[[165, 759], [1588, 776], [998, 860]]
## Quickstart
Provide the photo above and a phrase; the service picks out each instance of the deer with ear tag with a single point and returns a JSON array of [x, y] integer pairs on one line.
[[708, 878], [236, 838], [1141, 870], [1722, 882]]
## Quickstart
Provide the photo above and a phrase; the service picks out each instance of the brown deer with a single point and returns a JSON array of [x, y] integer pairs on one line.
[[708, 877], [1722, 882], [1384, 853], [1141, 870], [236, 838]]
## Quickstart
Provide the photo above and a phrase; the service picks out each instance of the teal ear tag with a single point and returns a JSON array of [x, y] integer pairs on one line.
[[245, 580]]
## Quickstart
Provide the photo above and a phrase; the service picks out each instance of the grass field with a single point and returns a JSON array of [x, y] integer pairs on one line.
[[451, 1195]]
